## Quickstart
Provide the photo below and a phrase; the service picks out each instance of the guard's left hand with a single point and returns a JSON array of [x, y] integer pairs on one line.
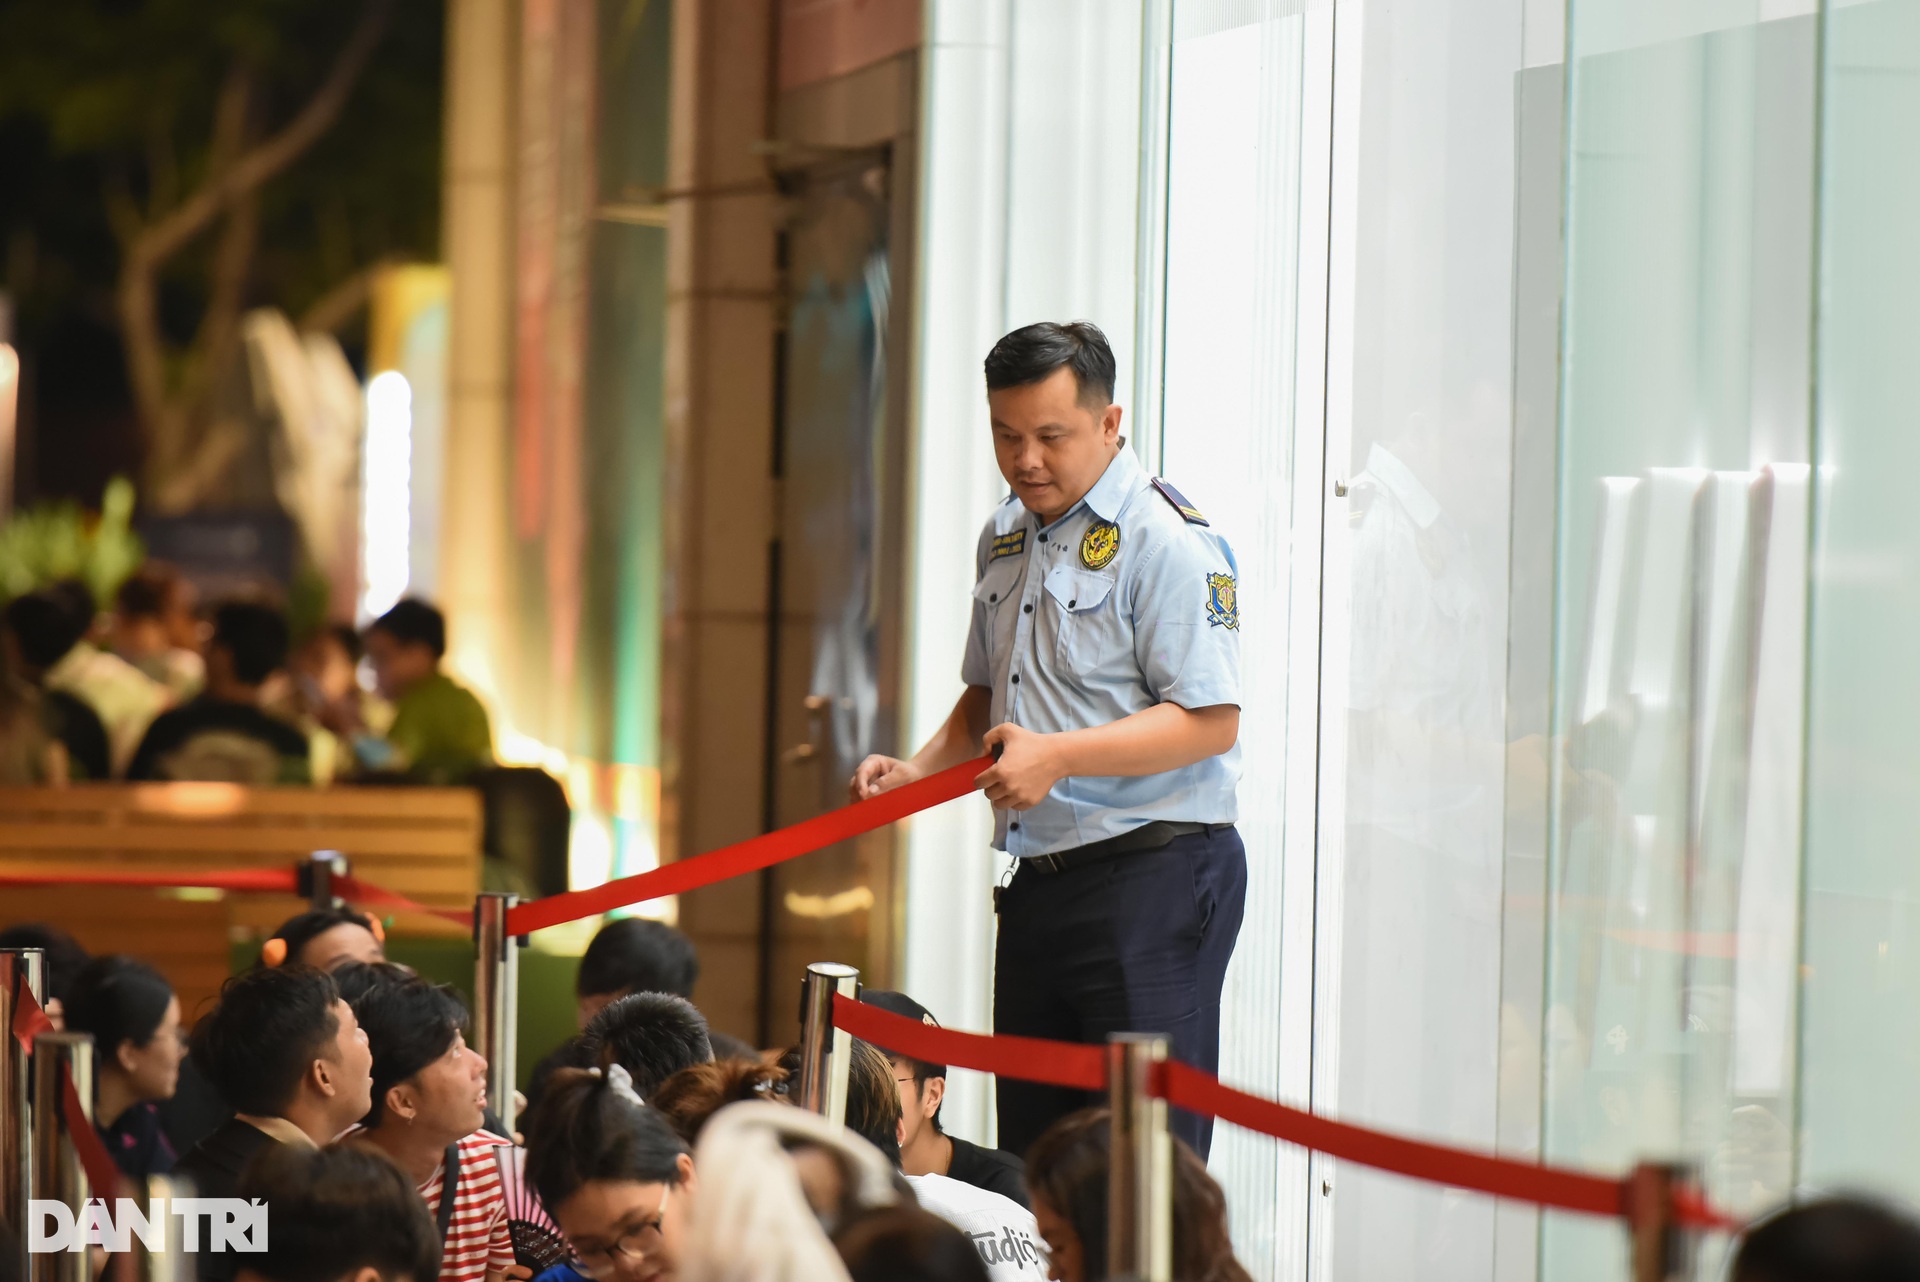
[[1028, 768]]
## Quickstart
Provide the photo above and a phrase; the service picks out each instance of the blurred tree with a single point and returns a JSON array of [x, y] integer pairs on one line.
[[53, 541], [203, 157]]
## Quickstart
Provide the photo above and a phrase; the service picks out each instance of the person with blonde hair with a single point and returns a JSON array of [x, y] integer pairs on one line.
[[776, 1184]]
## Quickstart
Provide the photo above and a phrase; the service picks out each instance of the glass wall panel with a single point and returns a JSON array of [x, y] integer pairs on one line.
[[1860, 1042], [1680, 611], [1419, 427], [1232, 389]]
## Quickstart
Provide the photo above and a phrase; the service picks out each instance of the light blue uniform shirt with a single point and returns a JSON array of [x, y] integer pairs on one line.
[[1066, 642]]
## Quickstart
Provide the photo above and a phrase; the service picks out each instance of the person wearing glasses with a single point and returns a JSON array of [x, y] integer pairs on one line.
[[615, 1177], [134, 1017]]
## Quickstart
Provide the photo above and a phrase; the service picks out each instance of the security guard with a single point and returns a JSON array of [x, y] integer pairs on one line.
[[1104, 665]]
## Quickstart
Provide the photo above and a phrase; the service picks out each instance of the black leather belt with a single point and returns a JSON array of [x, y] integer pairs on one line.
[[1146, 837]]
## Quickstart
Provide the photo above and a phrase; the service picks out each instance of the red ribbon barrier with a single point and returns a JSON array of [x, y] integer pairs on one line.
[[751, 855], [269, 881], [1084, 1067], [263, 880], [1029, 1059], [94, 1159], [1191, 1089], [367, 894], [29, 1021]]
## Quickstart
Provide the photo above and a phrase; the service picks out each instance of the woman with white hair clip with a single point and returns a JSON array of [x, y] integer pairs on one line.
[[613, 1175]]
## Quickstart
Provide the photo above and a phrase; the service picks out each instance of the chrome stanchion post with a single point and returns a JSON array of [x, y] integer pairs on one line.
[[496, 998], [57, 1173], [168, 1260], [1139, 1163], [825, 1051], [316, 878], [1659, 1246], [23, 974]]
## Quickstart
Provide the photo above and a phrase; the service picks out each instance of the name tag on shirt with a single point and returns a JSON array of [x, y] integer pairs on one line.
[[1008, 545]]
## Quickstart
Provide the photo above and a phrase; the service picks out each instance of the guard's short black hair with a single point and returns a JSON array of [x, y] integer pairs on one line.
[[255, 635], [1033, 352], [635, 955], [334, 1211], [1841, 1239], [873, 1099], [409, 1023], [651, 1035], [584, 1130], [414, 622], [117, 999], [302, 929], [44, 626], [65, 956], [271, 1023]]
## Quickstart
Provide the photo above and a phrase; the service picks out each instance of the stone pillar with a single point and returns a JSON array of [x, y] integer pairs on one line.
[[477, 243], [722, 313]]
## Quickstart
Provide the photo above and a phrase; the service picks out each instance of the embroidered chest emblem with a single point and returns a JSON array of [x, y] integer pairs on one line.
[[1223, 603], [1008, 545], [1099, 545]]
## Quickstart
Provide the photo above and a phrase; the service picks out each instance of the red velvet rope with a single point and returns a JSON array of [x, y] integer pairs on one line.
[[94, 1159], [1066, 1064], [1198, 1092], [1084, 1067], [1027, 1058], [676, 878], [263, 880], [282, 881], [29, 1021], [751, 855], [366, 894]]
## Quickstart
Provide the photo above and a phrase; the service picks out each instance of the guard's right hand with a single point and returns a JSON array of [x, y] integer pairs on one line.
[[878, 774]]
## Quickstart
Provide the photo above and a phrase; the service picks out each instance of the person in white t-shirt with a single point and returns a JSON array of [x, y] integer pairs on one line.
[[1001, 1230]]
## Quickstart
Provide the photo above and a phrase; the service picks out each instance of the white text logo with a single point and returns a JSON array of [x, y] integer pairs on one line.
[[233, 1224]]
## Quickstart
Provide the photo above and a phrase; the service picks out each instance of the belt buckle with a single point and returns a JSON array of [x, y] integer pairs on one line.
[[1052, 861]]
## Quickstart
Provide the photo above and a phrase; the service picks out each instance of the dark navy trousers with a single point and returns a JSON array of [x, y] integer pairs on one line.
[[1135, 943]]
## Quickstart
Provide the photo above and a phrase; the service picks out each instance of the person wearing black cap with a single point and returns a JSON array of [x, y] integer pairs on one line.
[[925, 1148]]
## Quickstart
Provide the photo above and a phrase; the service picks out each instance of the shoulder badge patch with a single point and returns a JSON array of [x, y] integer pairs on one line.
[[1179, 502], [1100, 545], [1223, 602], [1008, 545]]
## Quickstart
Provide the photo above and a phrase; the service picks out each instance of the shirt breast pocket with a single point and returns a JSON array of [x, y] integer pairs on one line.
[[1090, 630], [996, 592]]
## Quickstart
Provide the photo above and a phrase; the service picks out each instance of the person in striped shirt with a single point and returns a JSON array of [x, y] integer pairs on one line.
[[429, 1093]]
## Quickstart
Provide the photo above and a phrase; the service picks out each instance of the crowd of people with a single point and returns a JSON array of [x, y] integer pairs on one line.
[[338, 1087], [159, 689]]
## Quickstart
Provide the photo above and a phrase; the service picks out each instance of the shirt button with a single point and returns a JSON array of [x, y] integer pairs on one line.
[[1016, 678], [1013, 827], [992, 597], [1029, 609], [1071, 604]]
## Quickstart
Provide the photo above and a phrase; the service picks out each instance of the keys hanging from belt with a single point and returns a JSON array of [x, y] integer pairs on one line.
[[1005, 878]]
